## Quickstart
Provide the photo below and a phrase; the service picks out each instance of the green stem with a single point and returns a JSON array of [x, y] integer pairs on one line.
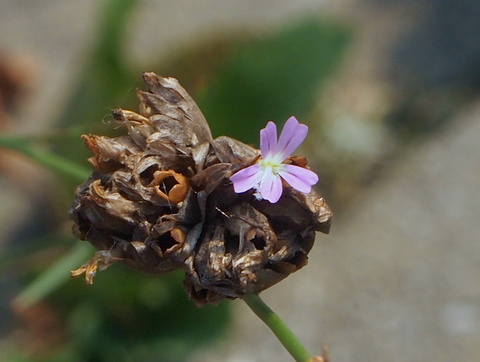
[[278, 327], [45, 158]]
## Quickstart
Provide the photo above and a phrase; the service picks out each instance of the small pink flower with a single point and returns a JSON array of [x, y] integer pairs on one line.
[[266, 175]]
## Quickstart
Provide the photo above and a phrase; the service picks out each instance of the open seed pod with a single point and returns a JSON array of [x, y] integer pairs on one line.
[[161, 199]]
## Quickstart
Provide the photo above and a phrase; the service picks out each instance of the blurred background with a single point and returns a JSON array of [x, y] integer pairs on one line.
[[390, 91]]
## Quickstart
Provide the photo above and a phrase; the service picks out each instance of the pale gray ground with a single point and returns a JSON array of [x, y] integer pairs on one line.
[[397, 279]]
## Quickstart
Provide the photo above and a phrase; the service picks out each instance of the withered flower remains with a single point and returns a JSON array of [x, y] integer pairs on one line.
[[168, 196]]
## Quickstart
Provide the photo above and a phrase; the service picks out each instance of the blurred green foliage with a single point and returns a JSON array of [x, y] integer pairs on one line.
[[101, 84], [272, 78], [126, 316]]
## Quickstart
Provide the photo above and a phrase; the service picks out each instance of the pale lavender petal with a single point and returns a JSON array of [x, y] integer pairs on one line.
[[268, 139], [247, 178], [299, 178], [271, 186], [293, 134]]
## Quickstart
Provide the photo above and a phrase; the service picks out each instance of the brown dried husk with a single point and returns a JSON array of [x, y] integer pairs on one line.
[[160, 199]]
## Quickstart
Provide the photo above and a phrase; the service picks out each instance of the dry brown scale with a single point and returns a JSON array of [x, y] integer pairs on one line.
[[160, 199]]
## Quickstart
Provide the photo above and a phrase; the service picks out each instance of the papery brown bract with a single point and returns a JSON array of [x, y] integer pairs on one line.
[[160, 199]]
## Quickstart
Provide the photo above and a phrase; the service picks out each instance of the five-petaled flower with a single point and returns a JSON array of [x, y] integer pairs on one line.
[[266, 175]]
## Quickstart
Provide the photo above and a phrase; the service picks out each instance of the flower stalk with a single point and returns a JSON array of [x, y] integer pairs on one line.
[[278, 327]]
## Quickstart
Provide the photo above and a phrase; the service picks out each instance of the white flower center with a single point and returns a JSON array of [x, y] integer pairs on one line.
[[270, 163]]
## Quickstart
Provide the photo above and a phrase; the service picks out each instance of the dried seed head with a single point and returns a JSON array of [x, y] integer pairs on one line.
[[161, 199]]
